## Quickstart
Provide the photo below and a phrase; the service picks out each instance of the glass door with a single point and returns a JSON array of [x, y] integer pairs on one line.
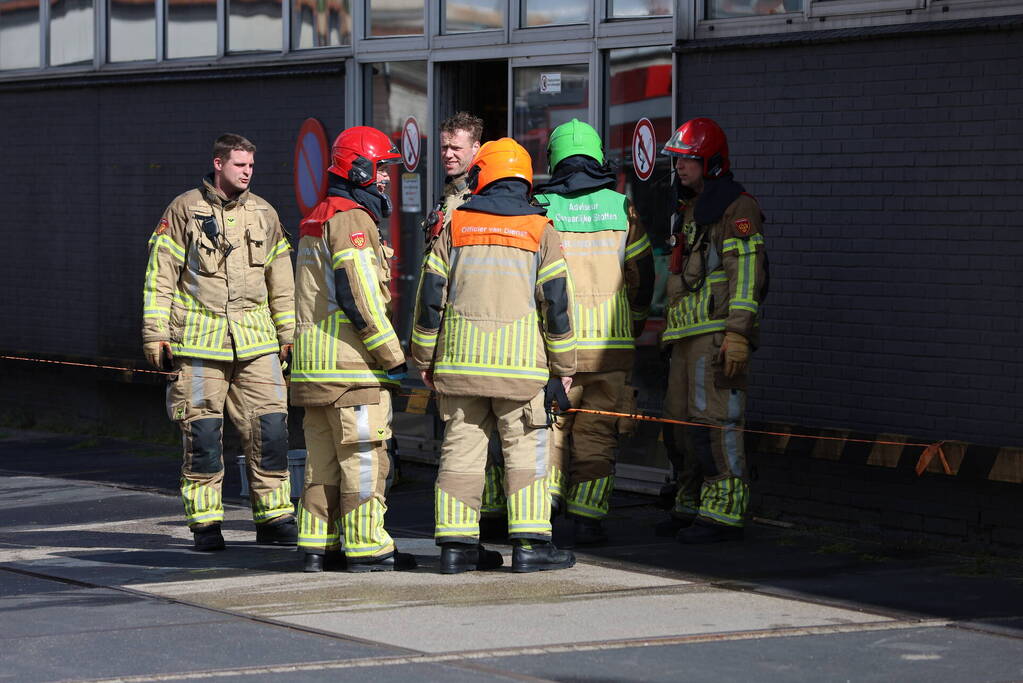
[[544, 97]]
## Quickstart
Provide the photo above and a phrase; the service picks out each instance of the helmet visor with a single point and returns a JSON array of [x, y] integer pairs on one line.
[[678, 147]]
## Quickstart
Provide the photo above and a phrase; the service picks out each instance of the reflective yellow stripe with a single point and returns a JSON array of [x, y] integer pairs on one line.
[[551, 271], [282, 247], [452, 517], [636, 248], [436, 263]]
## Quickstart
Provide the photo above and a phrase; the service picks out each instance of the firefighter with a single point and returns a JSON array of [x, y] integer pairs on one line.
[[219, 311], [460, 137], [716, 284], [611, 262], [347, 359], [493, 337], [459, 141]]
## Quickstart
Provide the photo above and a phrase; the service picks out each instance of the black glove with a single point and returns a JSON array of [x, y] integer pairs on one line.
[[554, 395]]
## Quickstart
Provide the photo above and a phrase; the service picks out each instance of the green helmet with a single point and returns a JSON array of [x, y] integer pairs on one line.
[[574, 137]]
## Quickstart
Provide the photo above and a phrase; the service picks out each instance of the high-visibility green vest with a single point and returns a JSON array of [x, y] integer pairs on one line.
[[586, 212]]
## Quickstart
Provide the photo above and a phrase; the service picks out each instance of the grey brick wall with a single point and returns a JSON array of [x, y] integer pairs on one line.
[[87, 172], [890, 171]]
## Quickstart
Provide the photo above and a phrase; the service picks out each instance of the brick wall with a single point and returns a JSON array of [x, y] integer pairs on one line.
[[88, 171], [890, 171]]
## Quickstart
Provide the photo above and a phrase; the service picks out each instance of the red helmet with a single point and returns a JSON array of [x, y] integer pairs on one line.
[[701, 139], [358, 151]]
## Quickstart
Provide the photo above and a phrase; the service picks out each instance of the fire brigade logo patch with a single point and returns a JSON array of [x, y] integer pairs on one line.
[[742, 225], [162, 226], [359, 239]]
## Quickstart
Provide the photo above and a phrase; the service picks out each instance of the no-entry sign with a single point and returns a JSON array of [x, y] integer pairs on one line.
[[644, 145], [410, 144], [311, 160]]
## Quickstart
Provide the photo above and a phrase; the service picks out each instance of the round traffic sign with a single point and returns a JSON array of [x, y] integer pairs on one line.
[[312, 157], [410, 143], [644, 143]]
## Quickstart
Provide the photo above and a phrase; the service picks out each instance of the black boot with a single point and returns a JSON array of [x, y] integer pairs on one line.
[[312, 564], [456, 558], [394, 562], [670, 527], [332, 561], [539, 556], [589, 531], [280, 531], [208, 538], [703, 531]]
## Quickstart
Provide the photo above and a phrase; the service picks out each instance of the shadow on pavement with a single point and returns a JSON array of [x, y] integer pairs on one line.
[[898, 580]]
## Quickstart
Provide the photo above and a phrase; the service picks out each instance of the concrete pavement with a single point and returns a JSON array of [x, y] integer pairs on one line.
[[97, 582]]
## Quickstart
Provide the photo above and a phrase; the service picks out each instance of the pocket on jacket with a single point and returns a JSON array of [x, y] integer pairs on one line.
[[257, 249]]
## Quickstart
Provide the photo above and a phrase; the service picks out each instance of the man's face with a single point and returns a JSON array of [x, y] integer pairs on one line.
[[233, 175], [456, 151], [383, 179], [690, 173]]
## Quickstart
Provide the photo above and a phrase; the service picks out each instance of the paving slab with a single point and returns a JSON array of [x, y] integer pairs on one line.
[[599, 617]]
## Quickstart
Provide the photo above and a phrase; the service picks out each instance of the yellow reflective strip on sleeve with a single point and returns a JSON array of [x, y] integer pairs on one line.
[[423, 338], [562, 344], [281, 247], [551, 271], [175, 249], [434, 262], [371, 290], [636, 248], [284, 317]]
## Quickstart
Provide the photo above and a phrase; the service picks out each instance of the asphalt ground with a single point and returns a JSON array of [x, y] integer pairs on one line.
[[98, 582]]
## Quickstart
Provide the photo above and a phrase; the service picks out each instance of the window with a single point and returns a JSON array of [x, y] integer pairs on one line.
[[396, 18], [191, 28], [545, 98], [71, 32], [320, 23], [637, 9], [132, 30], [473, 15], [721, 9], [19, 34], [639, 89], [397, 104], [253, 25], [549, 13]]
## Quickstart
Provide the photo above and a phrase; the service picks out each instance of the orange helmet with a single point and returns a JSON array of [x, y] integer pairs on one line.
[[358, 151], [499, 159]]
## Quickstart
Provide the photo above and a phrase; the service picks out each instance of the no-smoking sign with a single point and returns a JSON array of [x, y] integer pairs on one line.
[[410, 144], [644, 145]]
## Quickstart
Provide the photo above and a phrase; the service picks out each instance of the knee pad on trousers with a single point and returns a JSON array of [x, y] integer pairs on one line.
[[273, 433], [206, 445]]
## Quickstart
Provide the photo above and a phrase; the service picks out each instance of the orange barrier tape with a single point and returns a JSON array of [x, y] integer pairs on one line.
[[930, 449]]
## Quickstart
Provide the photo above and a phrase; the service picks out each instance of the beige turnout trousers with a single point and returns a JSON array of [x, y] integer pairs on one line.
[[254, 396], [525, 443], [583, 453], [345, 478]]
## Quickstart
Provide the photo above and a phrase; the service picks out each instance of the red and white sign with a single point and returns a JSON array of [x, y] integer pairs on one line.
[[644, 144], [312, 157], [410, 144]]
